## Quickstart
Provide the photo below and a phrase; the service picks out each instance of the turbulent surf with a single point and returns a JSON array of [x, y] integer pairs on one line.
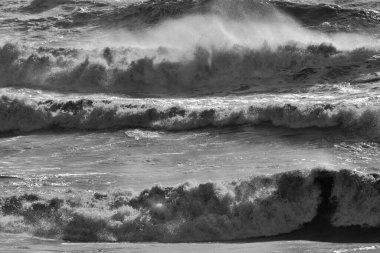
[[261, 206], [127, 76]]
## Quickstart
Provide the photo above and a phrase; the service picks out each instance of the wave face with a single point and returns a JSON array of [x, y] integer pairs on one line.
[[257, 207]]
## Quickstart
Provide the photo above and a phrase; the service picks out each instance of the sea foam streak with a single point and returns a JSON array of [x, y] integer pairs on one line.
[[260, 206]]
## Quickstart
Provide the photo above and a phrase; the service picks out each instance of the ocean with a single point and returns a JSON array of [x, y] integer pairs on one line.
[[189, 126]]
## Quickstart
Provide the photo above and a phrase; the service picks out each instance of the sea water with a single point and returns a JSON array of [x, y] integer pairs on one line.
[[189, 126]]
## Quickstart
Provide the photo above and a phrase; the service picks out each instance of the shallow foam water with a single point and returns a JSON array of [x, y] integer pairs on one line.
[[24, 243], [121, 159]]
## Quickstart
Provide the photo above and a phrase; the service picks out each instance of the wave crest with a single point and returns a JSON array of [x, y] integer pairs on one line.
[[18, 113], [260, 206], [141, 73]]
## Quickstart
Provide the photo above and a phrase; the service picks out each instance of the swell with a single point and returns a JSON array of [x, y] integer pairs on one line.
[[36, 6], [136, 14], [166, 72], [131, 14], [20, 113], [257, 207], [330, 17]]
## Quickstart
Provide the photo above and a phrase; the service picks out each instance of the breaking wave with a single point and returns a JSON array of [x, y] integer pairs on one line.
[[162, 72], [258, 207], [244, 46], [283, 59], [21, 113]]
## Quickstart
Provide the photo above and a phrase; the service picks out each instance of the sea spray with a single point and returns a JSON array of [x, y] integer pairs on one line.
[[139, 73]]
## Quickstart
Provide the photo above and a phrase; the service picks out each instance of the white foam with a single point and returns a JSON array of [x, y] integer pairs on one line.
[[291, 110]]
